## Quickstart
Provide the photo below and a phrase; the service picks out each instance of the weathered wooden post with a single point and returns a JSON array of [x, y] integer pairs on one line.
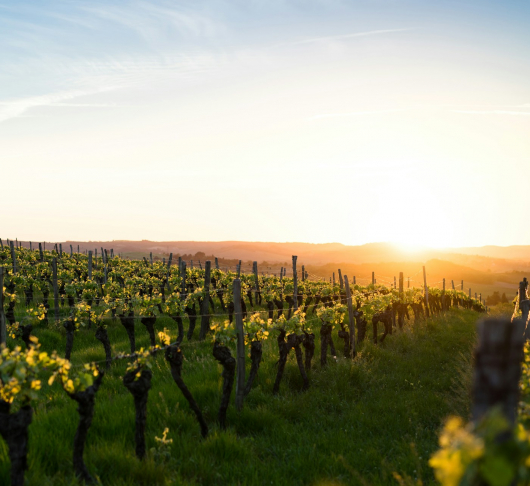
[[217, 263], [3, 329], [205, 317], [61, 250], [41, 254], [401, 290], [239, 269], [373, 278], [497, 374], [90, 264], [240, 380], [341, 281], [13, 257], [183, 278], [55, 289], [333, 278], [351, 317], [295, 282], [427, 313], [256, 282], [151, 257], [444, 307], [170, 259], [524, 305]]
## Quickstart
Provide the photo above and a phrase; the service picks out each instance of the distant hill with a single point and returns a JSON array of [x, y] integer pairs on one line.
[[488, 258], [488, 268]]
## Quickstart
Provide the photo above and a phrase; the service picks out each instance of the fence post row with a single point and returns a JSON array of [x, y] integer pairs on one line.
[[240, 380]]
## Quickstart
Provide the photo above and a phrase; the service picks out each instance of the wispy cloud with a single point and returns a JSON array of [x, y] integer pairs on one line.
[[356, 113], [16, 108], [348, 36], [493, 112], [151, 21]]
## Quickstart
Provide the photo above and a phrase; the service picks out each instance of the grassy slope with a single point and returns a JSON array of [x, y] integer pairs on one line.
[[355, 425]]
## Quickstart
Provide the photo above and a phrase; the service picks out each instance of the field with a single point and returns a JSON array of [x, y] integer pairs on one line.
[[359, 423]]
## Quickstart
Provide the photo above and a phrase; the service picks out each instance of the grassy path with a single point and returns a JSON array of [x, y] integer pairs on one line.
[[358, 423]]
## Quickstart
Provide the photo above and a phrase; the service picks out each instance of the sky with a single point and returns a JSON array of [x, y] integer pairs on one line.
[[311, 121]]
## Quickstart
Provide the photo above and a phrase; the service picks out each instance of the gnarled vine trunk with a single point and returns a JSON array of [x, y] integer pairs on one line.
[[14, 430], [139, 388], [175, 359], [85, 408], [224, 356]]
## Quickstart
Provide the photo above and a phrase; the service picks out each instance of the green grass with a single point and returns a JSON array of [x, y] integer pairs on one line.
[[358, 423]]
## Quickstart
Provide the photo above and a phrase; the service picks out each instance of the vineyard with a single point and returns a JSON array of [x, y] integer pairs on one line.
[[81, 326]]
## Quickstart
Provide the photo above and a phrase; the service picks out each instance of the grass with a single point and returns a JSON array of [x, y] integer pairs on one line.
[[358, 423]]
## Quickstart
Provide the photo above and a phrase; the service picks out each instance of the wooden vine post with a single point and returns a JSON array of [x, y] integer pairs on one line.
[[205, 314], [55, 289], [401, 289], [341, 281], [90, 264], [443, 296], [524, 305], [256, 281], [498, 359], [295, 284], [426, 293], [13, 257], [3, 330], [373, 278], [41, 254], [240, 377], [351, 317], [183, 289], [170, 259], [217, 263]]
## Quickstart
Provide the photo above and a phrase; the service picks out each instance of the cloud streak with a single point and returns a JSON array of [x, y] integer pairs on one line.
[[348, 36], [493, 112], [17, 108]]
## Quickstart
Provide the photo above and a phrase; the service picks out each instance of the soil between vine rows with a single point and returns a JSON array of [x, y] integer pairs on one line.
[[358, 423]]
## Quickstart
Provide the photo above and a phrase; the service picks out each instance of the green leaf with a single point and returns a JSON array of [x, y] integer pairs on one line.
[[497, 471]]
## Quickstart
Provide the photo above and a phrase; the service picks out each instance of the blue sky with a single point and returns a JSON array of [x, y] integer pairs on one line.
[[353, 113]]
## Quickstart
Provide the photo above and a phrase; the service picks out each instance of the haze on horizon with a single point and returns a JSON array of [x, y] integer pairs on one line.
[[319, 121]]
